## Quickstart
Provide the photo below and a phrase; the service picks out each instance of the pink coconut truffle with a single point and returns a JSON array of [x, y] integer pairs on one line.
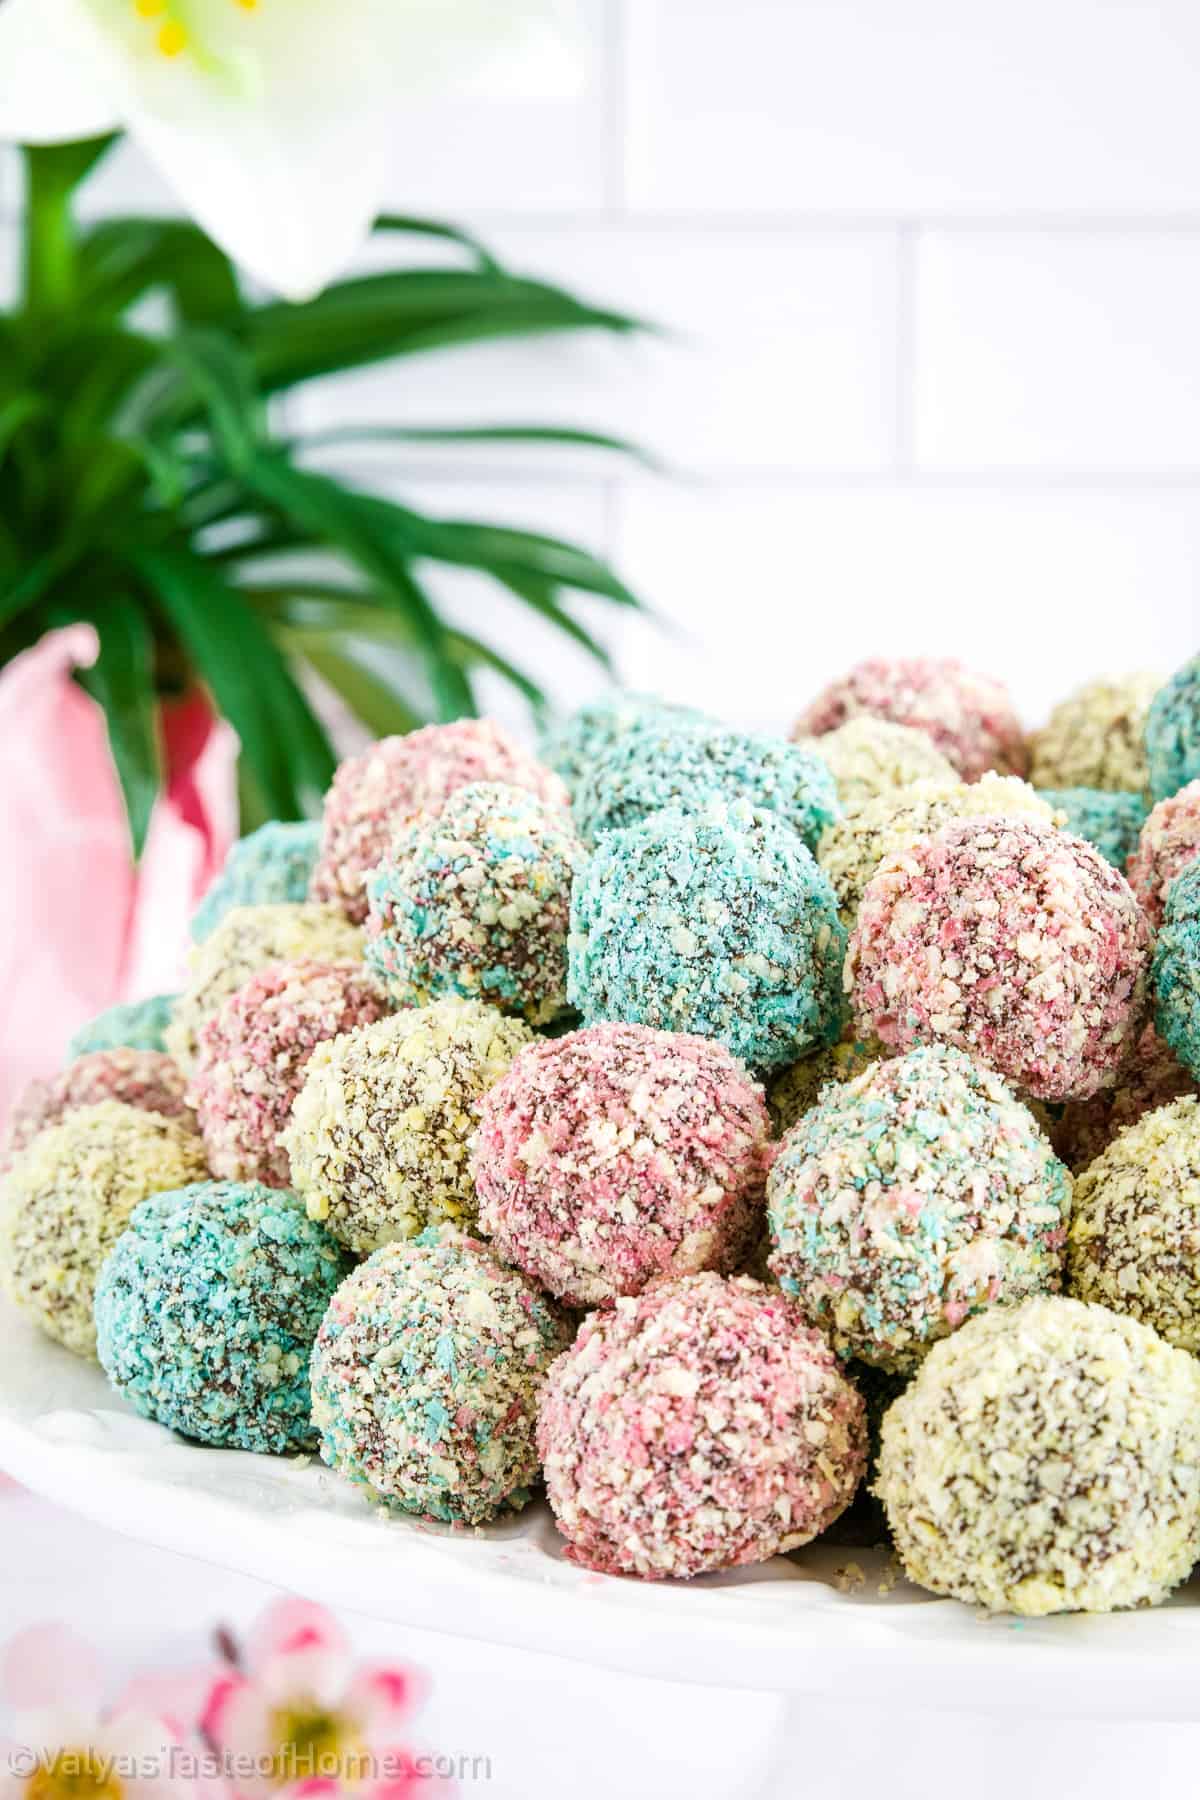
[[969, 717], [1009, 938], [147, 1079], [373, 794], [253, 1054], [1169, 841], [619, 1154], [699, 1426]]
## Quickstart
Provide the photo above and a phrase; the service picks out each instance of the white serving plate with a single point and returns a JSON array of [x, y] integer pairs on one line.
[[788, 1626]]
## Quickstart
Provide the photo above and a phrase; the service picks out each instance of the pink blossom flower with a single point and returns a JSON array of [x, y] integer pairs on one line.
[[67, 1745], [300, 1717]]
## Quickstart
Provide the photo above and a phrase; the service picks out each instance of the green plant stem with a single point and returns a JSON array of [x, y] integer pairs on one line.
[[50, 246]]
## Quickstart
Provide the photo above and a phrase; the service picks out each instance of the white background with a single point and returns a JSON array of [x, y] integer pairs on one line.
[[934, 274], [933, 270]]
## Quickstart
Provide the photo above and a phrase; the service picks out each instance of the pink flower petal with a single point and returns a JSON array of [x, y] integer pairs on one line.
[[305, 1678], [410, 1782], [383, 1696], [180, 1698], [49, 1666], [226, 1687], [237, 1718], [291, 1628]]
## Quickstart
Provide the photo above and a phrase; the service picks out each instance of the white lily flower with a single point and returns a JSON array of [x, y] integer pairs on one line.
[[271, 119]]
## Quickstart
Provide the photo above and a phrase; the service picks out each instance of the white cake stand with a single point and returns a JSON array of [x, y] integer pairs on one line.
[[826, 1622]]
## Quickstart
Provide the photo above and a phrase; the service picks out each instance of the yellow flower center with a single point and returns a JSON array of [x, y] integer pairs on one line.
[[73, 1775], [313, 1743], [172, 35]]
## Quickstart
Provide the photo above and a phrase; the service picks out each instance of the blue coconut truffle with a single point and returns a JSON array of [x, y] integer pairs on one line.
[[207, 1308], [1173, 732], [910, 1198], [273, 864], [717, 922], [670, 762], [133, 1025], [1110, 821], [1176, 970], [426, 1376], [473, 901], [590, 732]]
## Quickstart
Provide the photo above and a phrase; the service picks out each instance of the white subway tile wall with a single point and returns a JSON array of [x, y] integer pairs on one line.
[[931, 379]]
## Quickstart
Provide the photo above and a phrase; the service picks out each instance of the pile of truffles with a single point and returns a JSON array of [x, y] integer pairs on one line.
[[698, 1126]]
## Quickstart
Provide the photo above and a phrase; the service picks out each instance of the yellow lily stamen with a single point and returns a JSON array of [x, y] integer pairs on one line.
[[73, 1775], [172, 38]]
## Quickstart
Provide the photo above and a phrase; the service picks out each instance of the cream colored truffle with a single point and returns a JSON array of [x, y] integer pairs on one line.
[[1134, 1242], [246, 940], [1046, 1459], [851, 850], [868, 756], [68, 1198], [1095, 738], [381, 1129]]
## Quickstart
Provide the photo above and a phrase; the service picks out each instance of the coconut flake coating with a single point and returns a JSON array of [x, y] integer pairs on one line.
[[426, 1376], [248, 939], [1173, 732], [718, 923], [1012, 940], [868, 756], [1135, 1237], [1047, 1459], [1176, 970], [620, 1154], [910, 1198], [474, 901], [968, 717], [380, 1134], [147, 1079], [699, 1426], [133, 1025], [253, 1054], [1169, 841], [1096, 737], [1151, 1077], [1110, 821], [271, 865], [591, 731], [796, 1090], [671, 762], [207, 1309], [68, 1198], [852, 849], [373, 794]]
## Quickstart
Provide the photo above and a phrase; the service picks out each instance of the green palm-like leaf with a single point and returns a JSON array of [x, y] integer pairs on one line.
[[350, 522], [408, 226], [122, 260], [142, 488], [374, 317], [122, 681], [558, 437], [372, 700], [281, 738]]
